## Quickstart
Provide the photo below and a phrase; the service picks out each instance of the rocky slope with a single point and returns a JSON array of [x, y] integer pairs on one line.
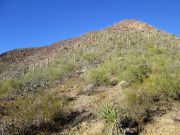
[[166, 124], [13, 63]]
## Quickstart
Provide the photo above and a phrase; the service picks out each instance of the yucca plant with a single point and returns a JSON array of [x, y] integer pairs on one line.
[[109, 113]]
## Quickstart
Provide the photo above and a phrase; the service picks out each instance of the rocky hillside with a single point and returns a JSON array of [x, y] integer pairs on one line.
[[14, 63], [123, 79]]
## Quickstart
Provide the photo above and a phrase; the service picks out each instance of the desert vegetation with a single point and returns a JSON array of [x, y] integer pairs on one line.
[[28, 103], [147, 60]]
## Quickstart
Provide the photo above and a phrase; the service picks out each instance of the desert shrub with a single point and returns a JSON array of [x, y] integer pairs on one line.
[[39, 78], [160, 63], [92, 58], [140, 72], [136, 102], [103, 74], [167, 86], [135, 69], [8, 85], [32, 75], [132, 69], [54, 71], [97, 76], [5, 86], [59, 68], [140, 99], [28, 114]]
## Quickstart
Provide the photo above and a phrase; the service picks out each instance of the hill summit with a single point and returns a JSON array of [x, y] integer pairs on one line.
[[136, 24]]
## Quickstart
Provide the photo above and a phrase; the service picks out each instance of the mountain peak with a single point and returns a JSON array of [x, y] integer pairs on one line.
[[135, 24]]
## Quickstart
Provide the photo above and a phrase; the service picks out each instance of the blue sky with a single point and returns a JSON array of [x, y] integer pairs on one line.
[[32, 23]]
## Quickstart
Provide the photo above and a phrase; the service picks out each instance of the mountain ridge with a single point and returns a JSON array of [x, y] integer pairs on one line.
[[131, 23], [126, 23]]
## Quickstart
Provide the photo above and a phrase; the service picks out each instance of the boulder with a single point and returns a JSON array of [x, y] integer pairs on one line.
[[88, 89], [177, 117], [122, 85], [34, 85], [79, 72], [113, 81]]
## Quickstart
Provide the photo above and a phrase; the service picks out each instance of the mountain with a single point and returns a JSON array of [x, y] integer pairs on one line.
[[124, 75]]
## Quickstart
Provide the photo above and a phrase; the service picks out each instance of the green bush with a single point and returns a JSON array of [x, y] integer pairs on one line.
[[138, 99], [140, 72], [59, 68], [167, 86], [135, 102], [103, 74], [56, 70], [9, 85]]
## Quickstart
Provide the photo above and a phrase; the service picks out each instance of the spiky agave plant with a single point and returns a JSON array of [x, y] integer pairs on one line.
[[109, 113]]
